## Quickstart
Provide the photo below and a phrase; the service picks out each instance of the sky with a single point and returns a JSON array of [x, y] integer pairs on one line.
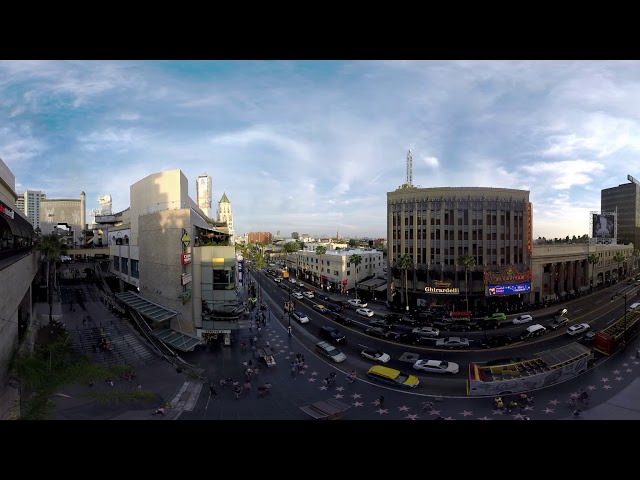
[[314, 146]]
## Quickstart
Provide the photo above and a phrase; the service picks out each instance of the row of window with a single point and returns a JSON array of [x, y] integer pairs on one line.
[[121, 264]]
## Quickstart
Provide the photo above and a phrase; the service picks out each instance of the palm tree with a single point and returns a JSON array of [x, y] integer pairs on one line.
[[619, 258], [356, 260], [466, 261], [593, 259], [405, 263], [258, 264], [51, 247], [320, 251]]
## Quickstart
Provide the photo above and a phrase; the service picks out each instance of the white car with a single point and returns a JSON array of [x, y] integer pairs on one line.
[[437, 366], [375, 355], [578, 329], [292, 280], [308, 294], [356, 302], [297, 295], [301, 317], [365, 312], [522, 319]]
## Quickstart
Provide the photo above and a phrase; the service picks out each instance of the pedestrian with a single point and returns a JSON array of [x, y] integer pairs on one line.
[[255, 371], [255, 339], [247, 386], [251, 326], [139, 387], [577, 412], [212, 390], [237, 390], [259, 329], [381, 401], [637, 353], [427, 406], [84, 321], [159, 411]]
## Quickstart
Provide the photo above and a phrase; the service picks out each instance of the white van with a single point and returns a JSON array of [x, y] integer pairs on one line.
[[533, 331], [633, 306]]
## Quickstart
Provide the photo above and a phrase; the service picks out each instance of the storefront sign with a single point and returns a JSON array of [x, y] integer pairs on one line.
[[6, 210], [186, 296], [215, 331], [507, 276], [186, 278], [185, 258], [186, 239], [509, 289], [442, 291], [529, 228]]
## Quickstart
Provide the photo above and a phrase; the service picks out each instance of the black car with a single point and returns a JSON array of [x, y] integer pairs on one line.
[[589, 336], [376, 332], [393, 317], [342, 319], [558, 322], [324, 297], [560, 313], [395, 335], [380, 322], [483, 324], [331, 334], [496, 341], [457, 327], [334, 307]]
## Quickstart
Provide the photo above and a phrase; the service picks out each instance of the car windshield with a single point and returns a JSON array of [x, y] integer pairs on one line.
[[401, 378]]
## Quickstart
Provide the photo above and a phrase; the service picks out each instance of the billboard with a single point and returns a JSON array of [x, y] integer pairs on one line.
[[603, 225], [203, 192], [508, 289]]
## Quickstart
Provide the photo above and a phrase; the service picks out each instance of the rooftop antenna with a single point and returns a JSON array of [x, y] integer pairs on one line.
[[409, 167]]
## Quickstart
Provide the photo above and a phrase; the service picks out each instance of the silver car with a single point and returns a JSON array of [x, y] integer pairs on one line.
[[452, 342]]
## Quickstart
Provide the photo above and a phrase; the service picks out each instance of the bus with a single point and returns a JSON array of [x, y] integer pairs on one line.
[[610, 339]]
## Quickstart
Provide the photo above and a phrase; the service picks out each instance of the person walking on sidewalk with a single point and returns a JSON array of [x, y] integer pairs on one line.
[[381, 401]]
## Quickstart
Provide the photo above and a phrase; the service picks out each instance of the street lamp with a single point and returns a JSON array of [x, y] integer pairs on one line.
[[624, 334]]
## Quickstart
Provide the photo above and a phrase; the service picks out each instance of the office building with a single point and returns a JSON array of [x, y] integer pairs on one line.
[[625, 200], [29, 203]]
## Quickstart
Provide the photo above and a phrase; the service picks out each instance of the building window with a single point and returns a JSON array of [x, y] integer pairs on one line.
[[116, 263], [135, 273], [125, 265]]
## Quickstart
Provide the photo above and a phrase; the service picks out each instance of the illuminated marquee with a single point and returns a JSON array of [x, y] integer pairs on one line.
[[508, 289], [529, 228], [442, 290]]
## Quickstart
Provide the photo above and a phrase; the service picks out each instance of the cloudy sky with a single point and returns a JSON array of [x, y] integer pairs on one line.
[[314, 146]]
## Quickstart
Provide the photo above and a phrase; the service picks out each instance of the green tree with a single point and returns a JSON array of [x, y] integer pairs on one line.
[[353, 243], [291, 247], [619, 258], [593, 259], [320, 251], [466, 261], [356, 260], [405, 263], [51, 247], [258, 264]]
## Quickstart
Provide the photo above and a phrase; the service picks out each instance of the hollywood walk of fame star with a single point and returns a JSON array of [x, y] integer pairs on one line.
[[382, 411], [607, 387], [312, 379], [338, 395], [356, 395], [403, 408], [549, 410], [465, 413], [412, 416], [357, 404]]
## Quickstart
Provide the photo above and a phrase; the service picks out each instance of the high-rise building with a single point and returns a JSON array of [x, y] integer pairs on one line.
[[225, 214], [203, 193], [295, 235], [625, 200], [29, 202]]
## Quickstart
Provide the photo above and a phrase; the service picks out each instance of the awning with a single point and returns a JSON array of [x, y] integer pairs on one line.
[[12, 224], [381, 288], [25, 226], [152, 311]]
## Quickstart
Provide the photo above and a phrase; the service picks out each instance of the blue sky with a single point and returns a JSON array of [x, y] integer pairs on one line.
[[314, 146]]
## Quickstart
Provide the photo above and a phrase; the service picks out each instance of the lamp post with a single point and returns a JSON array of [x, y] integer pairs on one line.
[[289, 312]]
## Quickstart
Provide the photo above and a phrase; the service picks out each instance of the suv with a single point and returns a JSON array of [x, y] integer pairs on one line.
[[330, 333], [330, 352], [338, 317], [558, 322], [533, 331]]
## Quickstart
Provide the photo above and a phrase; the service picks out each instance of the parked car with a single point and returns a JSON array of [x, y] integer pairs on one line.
[[365, 312], [338, 317], [496, 341], [375, 355], [522, 319], [308, 294], [391, 376], [297, 295], [560, 313], [357, 303], [437, 366], [331, 334], [334, 307], [578, 329], [452, 342], [320, 308], [331, 352], [301, 317], [558, 322]]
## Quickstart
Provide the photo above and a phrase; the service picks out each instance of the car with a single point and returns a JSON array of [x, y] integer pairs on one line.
[[391, 376], [425, 332], [393, 318], [456, 326], [332, 334], [560, 313], [394, 335], [500, 316], [345, 303], [578, 329], [496, 341], [365, 312], [292, 280], [522, 319], [283, 286], [533, 331], [558, 322], [376, 332], [308, 294], [452, 342], [334, 307], [277, 280], [375, 355], [356, 302], [437, 366], [320, 308], [324, 297], [331, 352], [338, 317], [297, 295], [301, 317], [589, 336], [380, 322]]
